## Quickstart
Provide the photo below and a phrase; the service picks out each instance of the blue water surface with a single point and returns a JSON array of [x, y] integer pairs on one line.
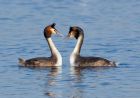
[[112, 31]]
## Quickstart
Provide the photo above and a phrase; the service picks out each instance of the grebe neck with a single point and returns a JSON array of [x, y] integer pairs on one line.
[[54, 51], [79, 43]]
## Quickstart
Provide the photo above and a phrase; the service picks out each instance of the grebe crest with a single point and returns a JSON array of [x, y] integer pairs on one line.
[[74, 32], [49, 30]]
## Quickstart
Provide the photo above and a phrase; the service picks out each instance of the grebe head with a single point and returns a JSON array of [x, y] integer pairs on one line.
[[75, 32], [49, 30]]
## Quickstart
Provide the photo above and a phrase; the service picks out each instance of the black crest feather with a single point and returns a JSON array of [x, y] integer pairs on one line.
[[53, 25]]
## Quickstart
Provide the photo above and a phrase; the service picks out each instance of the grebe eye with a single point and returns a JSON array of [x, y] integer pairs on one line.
[[54, 30]]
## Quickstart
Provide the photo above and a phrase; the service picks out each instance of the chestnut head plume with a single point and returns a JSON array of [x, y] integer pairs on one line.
[[74, 32], [49, 30]]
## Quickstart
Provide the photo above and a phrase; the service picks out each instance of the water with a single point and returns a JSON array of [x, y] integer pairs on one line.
[[112, 30]]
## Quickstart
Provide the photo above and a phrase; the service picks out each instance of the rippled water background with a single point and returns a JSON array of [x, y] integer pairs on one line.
[[112, 30]]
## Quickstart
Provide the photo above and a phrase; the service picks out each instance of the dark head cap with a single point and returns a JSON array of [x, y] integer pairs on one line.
[[49, 30], [74, 32]]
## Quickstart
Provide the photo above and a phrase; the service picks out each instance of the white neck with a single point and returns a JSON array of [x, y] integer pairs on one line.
[[55, 52], [76, 51], [78, 45]]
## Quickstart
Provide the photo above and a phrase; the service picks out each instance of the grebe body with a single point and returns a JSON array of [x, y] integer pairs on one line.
[[54, 60], [80, 61]]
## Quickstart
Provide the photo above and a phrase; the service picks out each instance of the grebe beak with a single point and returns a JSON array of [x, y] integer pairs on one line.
[[58, 33], [67, 37]]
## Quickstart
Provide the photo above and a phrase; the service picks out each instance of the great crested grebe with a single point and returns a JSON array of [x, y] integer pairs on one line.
[[54, 60], [79, 61]]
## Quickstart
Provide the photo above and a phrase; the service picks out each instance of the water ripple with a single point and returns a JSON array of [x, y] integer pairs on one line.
[[111, 30]]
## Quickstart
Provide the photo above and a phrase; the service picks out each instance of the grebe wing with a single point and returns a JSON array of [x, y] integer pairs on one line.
[[93, 59]]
